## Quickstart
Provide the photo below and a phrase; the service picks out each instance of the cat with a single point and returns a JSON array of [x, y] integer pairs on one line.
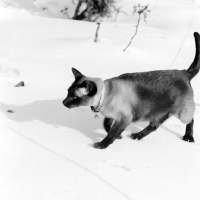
[[151, 96]]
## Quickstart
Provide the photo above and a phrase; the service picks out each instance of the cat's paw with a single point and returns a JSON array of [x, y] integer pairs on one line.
[[99, 145], [119, 137], [136, 136], [188, 138]]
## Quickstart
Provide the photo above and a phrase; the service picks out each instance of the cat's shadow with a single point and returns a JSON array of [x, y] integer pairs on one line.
[[54, 113]]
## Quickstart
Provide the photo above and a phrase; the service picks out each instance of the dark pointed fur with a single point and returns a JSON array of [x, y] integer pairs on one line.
[[151, 96], [195, 66]]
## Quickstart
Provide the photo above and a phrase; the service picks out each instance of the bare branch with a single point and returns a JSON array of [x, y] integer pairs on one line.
[[96, 34], [137, 26], [142, 11]]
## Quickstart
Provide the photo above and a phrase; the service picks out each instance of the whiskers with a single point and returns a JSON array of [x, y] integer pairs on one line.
[[71, 111]]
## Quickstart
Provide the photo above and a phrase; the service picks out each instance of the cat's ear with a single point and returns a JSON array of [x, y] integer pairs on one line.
[[90, 87], [76, 73]]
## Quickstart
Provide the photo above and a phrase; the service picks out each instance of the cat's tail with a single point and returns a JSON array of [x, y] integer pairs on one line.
[[195, 66]]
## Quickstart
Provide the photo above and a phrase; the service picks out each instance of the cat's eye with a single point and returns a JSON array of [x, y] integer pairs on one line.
[[74, 97]]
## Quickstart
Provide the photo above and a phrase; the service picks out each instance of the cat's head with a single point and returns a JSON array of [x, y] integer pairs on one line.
[[84, 91]]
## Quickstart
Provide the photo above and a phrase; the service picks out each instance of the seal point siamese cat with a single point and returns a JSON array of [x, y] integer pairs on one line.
[[152, 96]]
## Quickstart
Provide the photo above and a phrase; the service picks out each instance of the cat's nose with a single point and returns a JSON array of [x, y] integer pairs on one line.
[[65, 103]]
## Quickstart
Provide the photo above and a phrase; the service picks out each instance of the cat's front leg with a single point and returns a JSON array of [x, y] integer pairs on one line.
[[116, 130]]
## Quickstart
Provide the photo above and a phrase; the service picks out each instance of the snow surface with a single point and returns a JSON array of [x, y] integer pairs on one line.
[[46, 150]]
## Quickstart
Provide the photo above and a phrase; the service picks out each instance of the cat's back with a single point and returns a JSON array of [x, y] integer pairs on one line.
[[156, 80]]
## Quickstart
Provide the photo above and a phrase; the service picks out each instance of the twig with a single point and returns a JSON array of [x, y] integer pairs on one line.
[[118, 10], [142, 10], [96, 34], [137, 26]]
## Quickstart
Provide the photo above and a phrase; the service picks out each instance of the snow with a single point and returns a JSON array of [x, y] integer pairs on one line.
[[45, 149]]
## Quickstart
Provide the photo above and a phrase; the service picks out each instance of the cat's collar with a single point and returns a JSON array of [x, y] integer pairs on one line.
[[97, 108]]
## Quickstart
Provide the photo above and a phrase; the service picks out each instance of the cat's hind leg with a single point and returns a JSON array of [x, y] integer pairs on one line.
[[154, 124]]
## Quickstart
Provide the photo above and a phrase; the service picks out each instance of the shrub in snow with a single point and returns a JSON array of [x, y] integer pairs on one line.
[[141, 11], [93, 10]]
